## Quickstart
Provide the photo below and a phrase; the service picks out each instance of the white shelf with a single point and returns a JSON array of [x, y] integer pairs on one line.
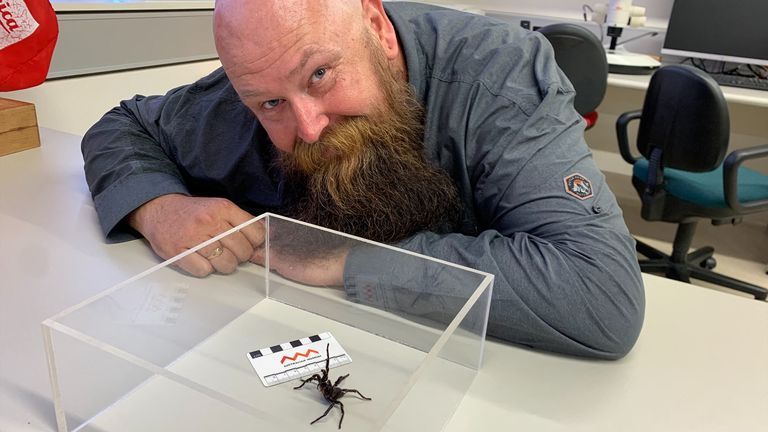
[[129, 5]]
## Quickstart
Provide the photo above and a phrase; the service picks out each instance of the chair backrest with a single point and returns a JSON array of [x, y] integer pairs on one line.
[[581, 57], [685, 116]]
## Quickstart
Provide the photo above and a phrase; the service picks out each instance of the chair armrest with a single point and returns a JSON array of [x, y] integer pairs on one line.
[[623, 135], [731, 178]]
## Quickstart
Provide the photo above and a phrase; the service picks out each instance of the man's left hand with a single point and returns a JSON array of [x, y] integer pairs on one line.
[[324, 271]]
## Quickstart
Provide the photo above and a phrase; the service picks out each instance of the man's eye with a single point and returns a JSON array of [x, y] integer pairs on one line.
[[319, 74], [271, 104]]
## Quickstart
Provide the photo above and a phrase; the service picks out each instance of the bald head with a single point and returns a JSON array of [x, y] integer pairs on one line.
[[253, 31]]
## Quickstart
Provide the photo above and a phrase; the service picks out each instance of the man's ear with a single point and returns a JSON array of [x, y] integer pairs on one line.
[[377, 20]]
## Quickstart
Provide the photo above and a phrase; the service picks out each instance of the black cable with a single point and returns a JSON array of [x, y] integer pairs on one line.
[[761, 72], [733, 71], [651, 33], [737, 70], [700, 64]]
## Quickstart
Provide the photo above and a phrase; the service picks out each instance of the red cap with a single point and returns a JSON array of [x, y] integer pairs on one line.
[[28, 33]]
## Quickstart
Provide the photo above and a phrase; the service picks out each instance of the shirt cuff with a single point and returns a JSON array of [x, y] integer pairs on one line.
[[128, 194]]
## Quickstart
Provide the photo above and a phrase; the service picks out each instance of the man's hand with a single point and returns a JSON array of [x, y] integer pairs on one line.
[[327, 271], [175, 223]]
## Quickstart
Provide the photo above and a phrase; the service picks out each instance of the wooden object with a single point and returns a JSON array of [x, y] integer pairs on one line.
[[18, 126]]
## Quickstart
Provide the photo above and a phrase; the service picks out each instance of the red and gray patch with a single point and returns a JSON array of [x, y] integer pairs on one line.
[[578, 186]]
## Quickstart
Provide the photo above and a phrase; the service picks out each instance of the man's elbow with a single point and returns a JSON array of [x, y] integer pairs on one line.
[[596, 312], [623, 338], [613, 321], [605, 320], [605, 333]]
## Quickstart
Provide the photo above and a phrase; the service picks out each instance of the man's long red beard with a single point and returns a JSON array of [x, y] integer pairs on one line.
[[368, 176]]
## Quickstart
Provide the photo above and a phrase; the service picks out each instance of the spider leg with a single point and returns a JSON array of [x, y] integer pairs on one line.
[[314, 377], [340, 379], [355, 391], [341, 405], [324, 414], [327, 357]]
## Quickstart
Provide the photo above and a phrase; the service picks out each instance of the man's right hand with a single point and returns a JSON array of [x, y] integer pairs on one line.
[[175, 223]]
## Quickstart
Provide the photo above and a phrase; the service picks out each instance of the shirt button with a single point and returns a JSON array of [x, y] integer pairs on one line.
[[597, 209]]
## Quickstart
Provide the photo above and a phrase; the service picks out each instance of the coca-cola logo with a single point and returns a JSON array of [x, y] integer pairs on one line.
[[16, 22], [6, 15]]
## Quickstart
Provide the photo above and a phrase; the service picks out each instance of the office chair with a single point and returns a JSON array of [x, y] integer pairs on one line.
[[683, 138], [581, 57]]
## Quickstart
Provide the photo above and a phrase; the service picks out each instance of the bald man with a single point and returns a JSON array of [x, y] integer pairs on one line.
[[444, 133]]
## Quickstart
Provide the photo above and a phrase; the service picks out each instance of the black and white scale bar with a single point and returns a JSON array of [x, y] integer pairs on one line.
[[288, 345], [305, 371], [296, 359]]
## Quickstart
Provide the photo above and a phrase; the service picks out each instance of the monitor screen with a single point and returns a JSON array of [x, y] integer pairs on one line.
[[725, 30]]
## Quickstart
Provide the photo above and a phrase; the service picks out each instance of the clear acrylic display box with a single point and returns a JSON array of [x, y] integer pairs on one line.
[[166, 351]]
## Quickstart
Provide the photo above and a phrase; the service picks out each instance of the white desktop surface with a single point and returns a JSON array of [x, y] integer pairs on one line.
[[700, 362], [758, 98]]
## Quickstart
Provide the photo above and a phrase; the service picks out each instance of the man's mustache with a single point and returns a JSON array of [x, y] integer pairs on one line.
[[339, 142]]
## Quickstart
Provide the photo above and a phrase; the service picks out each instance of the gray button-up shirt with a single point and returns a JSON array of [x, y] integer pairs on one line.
[[500, 120]]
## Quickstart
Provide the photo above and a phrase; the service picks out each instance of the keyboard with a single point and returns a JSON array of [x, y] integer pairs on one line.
[[754, 83]]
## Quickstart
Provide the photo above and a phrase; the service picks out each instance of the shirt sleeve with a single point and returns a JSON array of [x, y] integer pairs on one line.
[[195, 140], [567, 278], [125, 163]]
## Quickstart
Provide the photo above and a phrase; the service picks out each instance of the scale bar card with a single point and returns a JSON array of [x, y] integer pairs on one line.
[[296, 359]]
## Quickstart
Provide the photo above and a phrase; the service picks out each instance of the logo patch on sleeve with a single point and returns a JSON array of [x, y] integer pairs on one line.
[[578, 186]]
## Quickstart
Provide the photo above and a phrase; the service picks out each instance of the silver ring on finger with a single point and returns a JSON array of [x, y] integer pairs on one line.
[[215, 253]]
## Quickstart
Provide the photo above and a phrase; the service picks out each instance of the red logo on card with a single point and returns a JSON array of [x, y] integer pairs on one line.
[[297, 355]]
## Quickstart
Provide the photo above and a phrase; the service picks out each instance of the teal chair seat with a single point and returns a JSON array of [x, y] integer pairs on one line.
[[706, 188]]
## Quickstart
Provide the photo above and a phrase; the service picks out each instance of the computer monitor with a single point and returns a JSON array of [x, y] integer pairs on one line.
[[724, 30]]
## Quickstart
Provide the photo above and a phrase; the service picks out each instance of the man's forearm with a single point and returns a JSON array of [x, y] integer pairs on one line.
[[561, 303]]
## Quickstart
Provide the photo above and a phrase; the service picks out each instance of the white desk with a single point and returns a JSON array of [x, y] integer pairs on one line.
[[758, 98], [700, 363]]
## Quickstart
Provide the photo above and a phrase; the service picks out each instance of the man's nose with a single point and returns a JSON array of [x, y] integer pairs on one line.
[[310, 120]]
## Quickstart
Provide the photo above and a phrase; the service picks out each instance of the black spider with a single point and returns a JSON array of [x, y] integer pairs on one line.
[[331, 392]]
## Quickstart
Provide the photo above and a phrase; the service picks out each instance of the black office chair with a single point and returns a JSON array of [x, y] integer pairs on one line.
[[683, 138], [581, 57]]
